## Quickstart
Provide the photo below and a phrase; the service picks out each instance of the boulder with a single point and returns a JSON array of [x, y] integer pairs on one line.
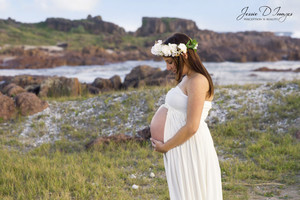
[[145, 133], [114, 83], [7, 107], [137, 75], [12, 89], [29, 104], [60, 86], [92, 90], [146, 75]]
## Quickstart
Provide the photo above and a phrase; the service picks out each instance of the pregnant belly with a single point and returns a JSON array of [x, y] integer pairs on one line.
[[158, 124]]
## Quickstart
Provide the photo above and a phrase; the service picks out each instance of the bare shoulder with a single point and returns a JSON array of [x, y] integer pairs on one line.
[[198, 82]]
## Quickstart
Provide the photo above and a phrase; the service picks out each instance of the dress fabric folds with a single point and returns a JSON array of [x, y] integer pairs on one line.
[[192, 169]]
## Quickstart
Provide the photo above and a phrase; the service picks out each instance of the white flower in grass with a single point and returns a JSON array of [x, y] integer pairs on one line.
[[182, 48], [134, 186]]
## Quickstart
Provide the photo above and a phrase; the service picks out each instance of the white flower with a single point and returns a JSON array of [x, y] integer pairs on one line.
[[173, 48], [166, 50], [156, 49], [196, 46], [134, 186], [182, 47], [170, 49], [152, 175]]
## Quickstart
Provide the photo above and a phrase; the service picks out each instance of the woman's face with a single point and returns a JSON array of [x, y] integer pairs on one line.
[[170, 64]]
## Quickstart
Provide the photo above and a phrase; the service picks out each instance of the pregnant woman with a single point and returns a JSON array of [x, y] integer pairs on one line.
[[178, 128]]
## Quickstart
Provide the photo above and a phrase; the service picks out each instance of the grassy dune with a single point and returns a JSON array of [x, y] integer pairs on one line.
[[253, 127]]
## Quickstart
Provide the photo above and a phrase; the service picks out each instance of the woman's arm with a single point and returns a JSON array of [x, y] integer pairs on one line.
[[197, 88]]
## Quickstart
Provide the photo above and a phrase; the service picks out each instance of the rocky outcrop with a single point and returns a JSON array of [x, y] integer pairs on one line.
[[94, 25], [145, 133], [153, 26], [213, 46], [7, 107], [146, 75], [12, 89], [60, 86], [29, 103], [266, 69], [114, 83]]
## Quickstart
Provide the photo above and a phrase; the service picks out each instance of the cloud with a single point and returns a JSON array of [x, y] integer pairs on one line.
[[68, 5]]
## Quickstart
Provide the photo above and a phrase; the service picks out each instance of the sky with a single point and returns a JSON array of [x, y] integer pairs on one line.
[[215, 15]]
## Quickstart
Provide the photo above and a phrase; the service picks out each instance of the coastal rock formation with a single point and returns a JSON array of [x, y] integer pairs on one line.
[[7, 107], [60, 86], [12, 89], [146, 75], [145, 133], [266, 69], [94, 25], [114, 83], [153, 26], [248, 46], [29, 103]]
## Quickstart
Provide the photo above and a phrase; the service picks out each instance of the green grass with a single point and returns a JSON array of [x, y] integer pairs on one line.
[[77, 38], [258, 155]]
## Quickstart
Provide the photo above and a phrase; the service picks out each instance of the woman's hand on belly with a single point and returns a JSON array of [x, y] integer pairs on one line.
[[158, 146]]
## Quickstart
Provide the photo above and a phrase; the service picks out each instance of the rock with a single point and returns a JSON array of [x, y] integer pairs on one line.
[[135, 187], [146, 75], [266, 69], [145, 133], [29, 103], [297, 135], [60, 86], [132, 176], [114, 138], [12, 89], [92, 90], [152, 26], [297, 70], [114, 83], [138, 74], [33, 88], [94, 25], [7, 107], [24, 80], [152, 175]]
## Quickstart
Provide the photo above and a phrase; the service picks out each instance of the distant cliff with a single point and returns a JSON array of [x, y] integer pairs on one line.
[[93, 34], [93, 25], [154, 26]]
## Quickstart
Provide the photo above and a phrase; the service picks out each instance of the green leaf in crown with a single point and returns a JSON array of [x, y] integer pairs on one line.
[[192, 44]]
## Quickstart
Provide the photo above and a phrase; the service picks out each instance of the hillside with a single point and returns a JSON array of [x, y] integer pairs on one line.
[[96, 33], [255, 129]]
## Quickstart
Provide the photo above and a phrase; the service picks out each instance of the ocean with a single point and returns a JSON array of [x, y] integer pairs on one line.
[[223, 73]]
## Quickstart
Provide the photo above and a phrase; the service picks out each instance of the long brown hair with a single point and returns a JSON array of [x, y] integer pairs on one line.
[[193, 60]]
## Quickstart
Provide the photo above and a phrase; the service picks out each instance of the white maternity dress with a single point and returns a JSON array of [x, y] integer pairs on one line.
[[192, 169]]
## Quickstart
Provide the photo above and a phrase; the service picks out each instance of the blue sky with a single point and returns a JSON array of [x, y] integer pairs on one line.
[[216, 15]]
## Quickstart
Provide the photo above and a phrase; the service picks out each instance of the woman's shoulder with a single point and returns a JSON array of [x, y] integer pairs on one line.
[[198, 79]]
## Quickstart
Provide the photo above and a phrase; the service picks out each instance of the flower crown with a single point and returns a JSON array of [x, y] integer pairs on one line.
[[160, 49]]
